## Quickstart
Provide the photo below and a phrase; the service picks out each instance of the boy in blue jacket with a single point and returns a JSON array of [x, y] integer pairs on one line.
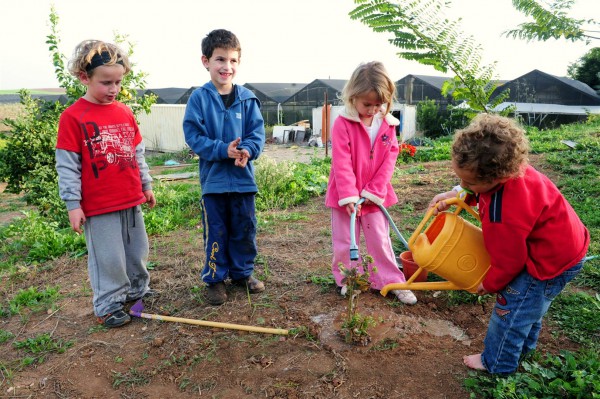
[[224, 127]]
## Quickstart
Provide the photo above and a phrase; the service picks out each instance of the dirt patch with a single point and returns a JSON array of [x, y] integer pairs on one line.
[[294, 153], [415, 351]]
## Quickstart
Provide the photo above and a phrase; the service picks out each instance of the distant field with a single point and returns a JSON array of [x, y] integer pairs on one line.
[[12, 109], [9, 111], [34, 91]]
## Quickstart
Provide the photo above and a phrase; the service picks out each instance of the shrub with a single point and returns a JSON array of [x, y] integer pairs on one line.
[[31, 144]]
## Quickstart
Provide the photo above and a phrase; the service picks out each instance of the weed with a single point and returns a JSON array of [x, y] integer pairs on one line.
[[5, 336], [96, 328], [266, 271], [176, 206], [204, 386], [7, 372], [198, 294], [325, 282], [459, 297], [41, 346], [132, 378], [185, 381], [283, 185], [577, 316], [566, 375], [303, 331], [387, 344], [33, 299], [36, 239]]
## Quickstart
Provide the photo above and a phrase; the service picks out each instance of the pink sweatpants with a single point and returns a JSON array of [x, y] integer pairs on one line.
[[376, 232]]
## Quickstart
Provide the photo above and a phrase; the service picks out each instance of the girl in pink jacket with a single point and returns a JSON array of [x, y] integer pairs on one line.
[[364, 152]]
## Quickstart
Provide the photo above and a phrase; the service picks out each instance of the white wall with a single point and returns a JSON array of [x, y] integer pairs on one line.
[[409, 121], [162, 129], [408, 126]]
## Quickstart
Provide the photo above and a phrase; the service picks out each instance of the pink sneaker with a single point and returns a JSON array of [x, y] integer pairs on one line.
[[405, 296]]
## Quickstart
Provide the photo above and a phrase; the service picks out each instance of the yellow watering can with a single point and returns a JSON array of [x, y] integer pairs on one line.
[[450, 247]]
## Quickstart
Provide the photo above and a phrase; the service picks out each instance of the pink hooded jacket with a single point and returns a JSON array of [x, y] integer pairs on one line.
[[359, 169]]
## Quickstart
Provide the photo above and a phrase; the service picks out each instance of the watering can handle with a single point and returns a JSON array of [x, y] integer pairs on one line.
[[460, 205]]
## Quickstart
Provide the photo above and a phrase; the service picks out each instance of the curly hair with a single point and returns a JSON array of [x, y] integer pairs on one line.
[[220, 38], [109, 54], [492, 147], [367, 77]]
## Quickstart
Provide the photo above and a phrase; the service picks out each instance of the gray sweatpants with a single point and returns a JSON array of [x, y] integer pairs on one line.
[[118, 250]]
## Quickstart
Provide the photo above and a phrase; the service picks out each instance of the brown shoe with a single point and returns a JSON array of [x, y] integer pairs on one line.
[[216, 294], [253, 284]]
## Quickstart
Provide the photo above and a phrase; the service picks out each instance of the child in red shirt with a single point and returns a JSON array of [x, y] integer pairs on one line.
[[536, 241], [103, 179]]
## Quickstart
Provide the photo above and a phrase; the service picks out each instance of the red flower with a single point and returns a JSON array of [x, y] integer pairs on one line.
[[407, 149]]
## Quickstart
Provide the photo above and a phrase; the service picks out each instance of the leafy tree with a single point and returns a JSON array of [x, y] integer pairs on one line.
[[551, 22], [27, 160], [587, 69], [132, 82], [426, 37], [420, 30]]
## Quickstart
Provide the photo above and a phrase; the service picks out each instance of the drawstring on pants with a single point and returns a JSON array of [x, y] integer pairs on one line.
[[125, 219]]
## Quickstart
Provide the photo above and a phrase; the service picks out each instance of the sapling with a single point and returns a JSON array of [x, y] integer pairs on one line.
[[356, 279]]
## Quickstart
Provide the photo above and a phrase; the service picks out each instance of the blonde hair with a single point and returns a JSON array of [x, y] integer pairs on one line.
[[89, 52], [368, 77], [493, 147]]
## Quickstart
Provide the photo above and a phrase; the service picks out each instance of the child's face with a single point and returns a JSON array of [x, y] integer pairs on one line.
[[469, 180], [367, 105], [104, 84], [222, 67]]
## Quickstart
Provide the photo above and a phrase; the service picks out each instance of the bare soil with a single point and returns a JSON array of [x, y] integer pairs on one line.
[[414, 352]]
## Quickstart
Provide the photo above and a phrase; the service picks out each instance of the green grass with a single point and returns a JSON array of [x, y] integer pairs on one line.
[[34, 299], [183, 157], [577, 316], [567, 375], [39, 347], [5, 336]]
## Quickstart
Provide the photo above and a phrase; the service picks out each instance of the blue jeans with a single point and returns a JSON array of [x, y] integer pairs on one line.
[[517, 318]]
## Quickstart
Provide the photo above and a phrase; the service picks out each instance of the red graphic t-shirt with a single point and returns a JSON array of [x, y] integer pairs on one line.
[[105, 135]]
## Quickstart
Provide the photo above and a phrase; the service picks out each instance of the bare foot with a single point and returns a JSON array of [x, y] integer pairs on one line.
[[473, 361]]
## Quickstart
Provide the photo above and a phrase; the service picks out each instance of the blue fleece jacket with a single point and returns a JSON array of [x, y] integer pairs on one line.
[[209, 128]]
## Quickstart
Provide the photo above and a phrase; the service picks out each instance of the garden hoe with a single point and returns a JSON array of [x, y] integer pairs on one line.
[[137, 310]]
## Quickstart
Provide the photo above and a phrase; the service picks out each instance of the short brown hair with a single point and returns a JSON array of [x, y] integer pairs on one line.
[[493, 147], [220, 38]]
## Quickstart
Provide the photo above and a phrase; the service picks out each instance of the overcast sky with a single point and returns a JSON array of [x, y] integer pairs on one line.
[[282, 40]]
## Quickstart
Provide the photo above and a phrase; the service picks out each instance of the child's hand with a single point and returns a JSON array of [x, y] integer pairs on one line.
[[350, 209], [243, 161], [440, 201], [77, 219], [150, 199], [232, 150], [481, 290]]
